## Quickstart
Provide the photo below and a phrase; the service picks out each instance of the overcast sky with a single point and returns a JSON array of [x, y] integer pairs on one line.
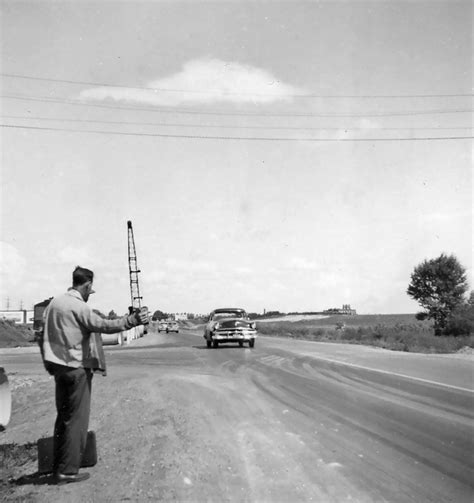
[[270, 155]]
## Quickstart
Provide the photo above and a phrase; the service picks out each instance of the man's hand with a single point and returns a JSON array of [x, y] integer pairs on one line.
[[141, 315]]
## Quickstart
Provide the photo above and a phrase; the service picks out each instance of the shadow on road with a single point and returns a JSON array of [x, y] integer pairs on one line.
[[167, 345], [36, 479], [13, 457], [227, 346]]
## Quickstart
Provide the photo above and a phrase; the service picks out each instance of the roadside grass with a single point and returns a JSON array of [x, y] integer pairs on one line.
[[400, 332]]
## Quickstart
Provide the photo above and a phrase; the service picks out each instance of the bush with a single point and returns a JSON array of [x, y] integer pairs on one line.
[[461, 321]]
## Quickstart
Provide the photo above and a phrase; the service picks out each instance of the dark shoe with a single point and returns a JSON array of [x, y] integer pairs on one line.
[[62, 478]]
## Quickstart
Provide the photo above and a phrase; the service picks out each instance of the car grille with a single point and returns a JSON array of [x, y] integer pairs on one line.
[[234, 324], [231, 331]]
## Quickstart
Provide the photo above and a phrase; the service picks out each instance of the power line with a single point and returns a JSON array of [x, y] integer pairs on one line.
[[201, 126], [248, 138], [229, 93], [46, 99]]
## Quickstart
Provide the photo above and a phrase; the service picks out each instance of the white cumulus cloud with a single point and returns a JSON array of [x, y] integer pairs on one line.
[[204, 80], [12, 266], [76, 256], [303, 263]]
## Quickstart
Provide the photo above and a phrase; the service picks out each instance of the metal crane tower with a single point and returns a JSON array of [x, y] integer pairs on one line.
[[133, 270]]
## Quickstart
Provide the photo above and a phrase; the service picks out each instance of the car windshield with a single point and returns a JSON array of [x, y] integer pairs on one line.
[[229, 314]]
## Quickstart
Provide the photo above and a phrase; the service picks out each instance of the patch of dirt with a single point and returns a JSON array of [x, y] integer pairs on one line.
[[466, 350], [465, 353], [14, 456]]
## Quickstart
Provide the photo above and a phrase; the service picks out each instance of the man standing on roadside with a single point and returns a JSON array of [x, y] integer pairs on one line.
[[69, 322]]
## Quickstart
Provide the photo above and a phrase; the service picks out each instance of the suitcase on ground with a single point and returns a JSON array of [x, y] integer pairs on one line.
[[46, 453]]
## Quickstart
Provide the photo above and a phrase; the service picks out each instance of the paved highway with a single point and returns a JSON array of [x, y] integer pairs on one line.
[[285, 421]]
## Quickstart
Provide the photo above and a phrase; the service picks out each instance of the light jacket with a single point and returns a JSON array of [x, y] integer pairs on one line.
[[69, 322]]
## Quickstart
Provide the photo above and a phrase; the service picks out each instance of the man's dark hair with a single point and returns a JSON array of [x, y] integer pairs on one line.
[[81, 275]]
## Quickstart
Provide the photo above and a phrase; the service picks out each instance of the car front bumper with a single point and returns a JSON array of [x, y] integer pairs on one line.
[[233, 335]]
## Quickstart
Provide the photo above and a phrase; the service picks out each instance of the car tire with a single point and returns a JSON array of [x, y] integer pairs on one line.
[[251, 343], [215, 344]]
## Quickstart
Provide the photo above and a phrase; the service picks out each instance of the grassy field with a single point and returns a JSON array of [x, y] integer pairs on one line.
[[399, 332]]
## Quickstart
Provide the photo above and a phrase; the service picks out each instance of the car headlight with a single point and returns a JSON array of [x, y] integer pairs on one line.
[[216, 326], [253, 325]]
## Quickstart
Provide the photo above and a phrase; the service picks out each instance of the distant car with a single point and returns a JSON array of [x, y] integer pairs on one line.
[[162, 326], [230, 325], [172, 326]]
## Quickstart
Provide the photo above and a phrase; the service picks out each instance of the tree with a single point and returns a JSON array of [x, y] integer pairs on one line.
[[461, 320], [159, 315], [439, 286]]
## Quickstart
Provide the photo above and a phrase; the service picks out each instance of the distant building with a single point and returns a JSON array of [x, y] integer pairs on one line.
[[185, 316], [346, 309], [20, 316]]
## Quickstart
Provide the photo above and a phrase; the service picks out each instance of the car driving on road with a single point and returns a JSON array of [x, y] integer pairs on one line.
[[162, 326], [230, 325], [172, 326]]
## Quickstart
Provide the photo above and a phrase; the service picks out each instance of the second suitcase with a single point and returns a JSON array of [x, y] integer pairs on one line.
[[46, 453]]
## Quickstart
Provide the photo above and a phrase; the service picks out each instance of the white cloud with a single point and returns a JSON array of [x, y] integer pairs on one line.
[[440, 217], [243, 270], [303, 263], [180, 265], [204, 81], [363, 128], [12, 266], [155, 276], [331, 279], [76, 256]]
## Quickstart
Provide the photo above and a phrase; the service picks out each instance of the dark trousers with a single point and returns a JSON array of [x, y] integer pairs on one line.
[[73, 403]]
